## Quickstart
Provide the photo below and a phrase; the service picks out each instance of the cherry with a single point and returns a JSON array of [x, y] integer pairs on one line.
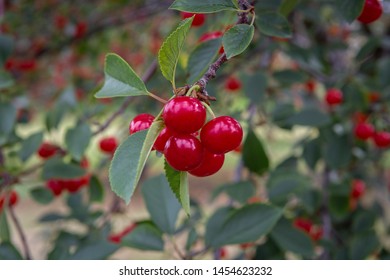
[[184, 114], [55, 186], [211, 164], [232, 83], [84, 163], [303, 224], [316, 233], [117, 238], [73, 185], [12, 199], [358, 188], [183, 152], [222, 253], [372, 10], [221, 135], [364, 131], [382, 139], [374, 97], [162, 139], [199, 19], [310, 86], [81, 29], [47, 150], [333, 97], [108, 145], [211, 36], [140, 122]]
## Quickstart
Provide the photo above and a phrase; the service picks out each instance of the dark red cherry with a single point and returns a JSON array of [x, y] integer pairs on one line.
[[211, 164]]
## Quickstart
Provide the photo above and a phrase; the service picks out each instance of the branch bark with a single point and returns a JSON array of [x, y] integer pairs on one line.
[[21, 233]]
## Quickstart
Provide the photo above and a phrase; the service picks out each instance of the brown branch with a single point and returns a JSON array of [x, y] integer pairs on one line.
[[146, 77], [21, 233]]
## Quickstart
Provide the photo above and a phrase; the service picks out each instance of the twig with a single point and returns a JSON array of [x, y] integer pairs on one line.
[[148, 74], [21, 233]]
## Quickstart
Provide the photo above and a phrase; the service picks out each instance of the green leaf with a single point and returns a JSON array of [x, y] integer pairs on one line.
[[288, 77], [288, 238], [129, 160], [169, 53], [363, 245], [120, 79], [42, 195], [56, 168], [191, 239], [273, 24], [30, 145], [339, 205], [338, 151], [51, 217], [350, 9], [203, 6], [6, 80], [309, 117], [161, 203], [235, 226], [239, 191], [6, 47], [201, 58], [62, 246], [255, 87], [281, 113], [178, 182], [9, 252], [99, 250], [311, 200], [237, 39], [77, 140], [4, 228], [145, 236], [7, 120], [254, 155], [96, 190], [368, 48], [287, 7], [312, 152]]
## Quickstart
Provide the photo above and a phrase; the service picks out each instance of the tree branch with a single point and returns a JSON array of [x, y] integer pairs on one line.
[[21, 233]]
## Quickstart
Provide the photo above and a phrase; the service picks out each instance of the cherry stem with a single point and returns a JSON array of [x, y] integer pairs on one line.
[[162, 100], [194, 87], [208, 108]]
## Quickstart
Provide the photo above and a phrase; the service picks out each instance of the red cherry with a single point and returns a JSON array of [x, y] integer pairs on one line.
[[140, 122], [71, 185], [211, 36], [382, 139], [221, 135], [211, 164], [81, 29], [334, 96], [184, 114], [233, 84], [12, 199], [310, 86], [359, 117], [199, 19], [162, 139], [55, 186], [222, 253], [303, 224], [108, 145], [84, 163], [128, 229], [47, 150], [358, 188], [364, 131], [27, 65], [316, 233], [372, 10], [183, 152], [115, 238]]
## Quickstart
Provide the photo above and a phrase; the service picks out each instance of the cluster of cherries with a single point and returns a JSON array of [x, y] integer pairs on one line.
[[187, 141], [11, 199]]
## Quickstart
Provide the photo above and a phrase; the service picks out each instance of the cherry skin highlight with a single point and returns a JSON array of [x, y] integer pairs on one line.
[[140, 122]]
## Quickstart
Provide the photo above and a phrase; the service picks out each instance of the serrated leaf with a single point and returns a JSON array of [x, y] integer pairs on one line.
[[96, 190], [42, 195], [30, 145], [161, 203], [309, 117], [4, 228], [168, 55], [235, 226], [129, 160], [56, 168], [238, 191], [145, 236], [201, 58], [237, 39], [273, 24], [254, 155], [203, 6], [120, 79], [350, 9], [178, 182], [77, 140]]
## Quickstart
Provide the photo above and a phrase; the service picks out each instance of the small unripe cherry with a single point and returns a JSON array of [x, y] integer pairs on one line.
[[372, 10], [333, 97], [140, 122], [47, 150], [364, 131], [232, 83], [211, 164], [199, 19], [108, 145], [183, 152], [162, 139], [184, 114], [358, 188], [382, 139], [221, 135]]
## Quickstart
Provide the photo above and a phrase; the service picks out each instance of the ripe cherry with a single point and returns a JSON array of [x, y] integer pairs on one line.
[[382, 139], [374, 97], [108, 145], [60, 22], [184, 114], [81, 29], [358, 188], [11, 199], [211, 164], [221, 135], [310, 86], [333, 97], [303, 224], [162, 139], [55, 186], [183, 152], [140, 122], [199, 19], [316, 233], [47, 150], [364, 131], [372, 10], [232, 83]]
